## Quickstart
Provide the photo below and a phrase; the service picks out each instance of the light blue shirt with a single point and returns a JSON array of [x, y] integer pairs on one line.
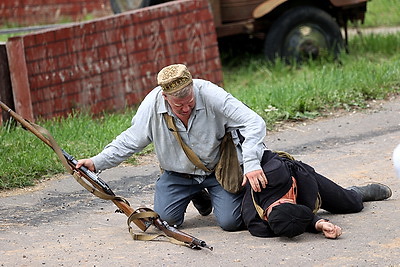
[[215, 112]]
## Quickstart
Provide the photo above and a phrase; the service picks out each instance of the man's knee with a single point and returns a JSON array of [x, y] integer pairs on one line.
[[231, 224]]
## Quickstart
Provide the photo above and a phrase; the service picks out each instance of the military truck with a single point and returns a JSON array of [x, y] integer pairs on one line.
[[289, 29]]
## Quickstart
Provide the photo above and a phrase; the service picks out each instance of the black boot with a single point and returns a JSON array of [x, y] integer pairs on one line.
[[373, 192], [202, 202]]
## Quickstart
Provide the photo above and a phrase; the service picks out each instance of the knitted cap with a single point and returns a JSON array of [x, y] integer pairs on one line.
[[174, 78]]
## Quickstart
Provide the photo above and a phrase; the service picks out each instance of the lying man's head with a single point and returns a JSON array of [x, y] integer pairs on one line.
[[289, 220]]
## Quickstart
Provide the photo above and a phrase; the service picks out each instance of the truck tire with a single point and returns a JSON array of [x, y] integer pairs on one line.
[[302, 33]]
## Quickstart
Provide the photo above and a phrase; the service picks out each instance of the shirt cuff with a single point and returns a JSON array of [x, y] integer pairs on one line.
[[99, 163], [251, 166]]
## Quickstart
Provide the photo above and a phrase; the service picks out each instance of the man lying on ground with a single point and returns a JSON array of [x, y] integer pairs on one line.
[[293, 195]]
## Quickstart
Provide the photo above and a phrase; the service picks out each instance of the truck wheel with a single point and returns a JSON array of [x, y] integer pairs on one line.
[[302, 33]]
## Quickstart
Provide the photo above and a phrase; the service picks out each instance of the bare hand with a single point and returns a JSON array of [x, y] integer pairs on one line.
[[88, 163], [329, 229], [255, 178]]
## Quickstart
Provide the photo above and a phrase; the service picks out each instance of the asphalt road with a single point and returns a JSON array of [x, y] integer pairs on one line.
[[58, 223]]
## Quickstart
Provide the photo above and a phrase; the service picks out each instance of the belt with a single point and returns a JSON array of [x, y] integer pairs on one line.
[[189, 176]]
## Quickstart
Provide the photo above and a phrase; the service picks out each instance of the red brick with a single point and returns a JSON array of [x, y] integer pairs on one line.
[[33, 67], [84, 58], [133, 99], [85, 29], [46, 65], [66, 61], [93, 40], [45, 37], [29, 40], [69, 9], [64, 33], [34, 53], [108, 51], [119, 63], [74, 101], [40, 81], [58, 105], [115, 35], [55, 49]]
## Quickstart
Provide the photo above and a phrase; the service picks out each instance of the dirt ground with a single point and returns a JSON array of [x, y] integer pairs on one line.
[[58, 223], [61, 224]]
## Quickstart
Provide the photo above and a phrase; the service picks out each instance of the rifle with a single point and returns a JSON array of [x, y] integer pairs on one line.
[[142, 217]]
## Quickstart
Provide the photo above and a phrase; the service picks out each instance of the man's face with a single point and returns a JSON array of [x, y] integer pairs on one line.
[[181, 106]]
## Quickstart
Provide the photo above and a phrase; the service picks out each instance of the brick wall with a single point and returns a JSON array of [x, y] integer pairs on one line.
[[32, 12], [111, 62]]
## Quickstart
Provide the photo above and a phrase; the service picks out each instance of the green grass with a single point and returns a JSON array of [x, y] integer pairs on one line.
[[24, 158], [281, 92], [382, 13]]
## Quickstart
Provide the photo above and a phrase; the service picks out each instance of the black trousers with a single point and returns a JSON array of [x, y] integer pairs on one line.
[[335, 198]]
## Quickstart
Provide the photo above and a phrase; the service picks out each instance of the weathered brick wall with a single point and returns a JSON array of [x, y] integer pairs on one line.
[[111, 62], [29, 12]]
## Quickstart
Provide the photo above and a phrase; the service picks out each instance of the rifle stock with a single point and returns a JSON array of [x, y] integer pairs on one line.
[[101, 189]]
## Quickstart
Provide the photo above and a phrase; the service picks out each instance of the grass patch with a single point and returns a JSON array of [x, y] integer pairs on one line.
[[24, 158], [281, 92], [382, 13]]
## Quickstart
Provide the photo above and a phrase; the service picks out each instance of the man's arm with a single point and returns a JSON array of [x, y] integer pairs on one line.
[[253, 129], [130, 141]]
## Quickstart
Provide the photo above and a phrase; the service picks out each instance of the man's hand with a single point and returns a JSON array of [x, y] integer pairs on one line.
[[328, 229], [88, 163], [255, 178]]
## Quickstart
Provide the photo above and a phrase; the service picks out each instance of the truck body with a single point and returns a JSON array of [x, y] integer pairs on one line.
[[289, 29]]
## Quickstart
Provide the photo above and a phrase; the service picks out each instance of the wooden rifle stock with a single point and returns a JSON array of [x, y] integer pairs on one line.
[[99, 188], [192, 241]]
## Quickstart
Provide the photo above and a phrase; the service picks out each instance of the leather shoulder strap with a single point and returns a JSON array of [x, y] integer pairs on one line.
[[189, 152]]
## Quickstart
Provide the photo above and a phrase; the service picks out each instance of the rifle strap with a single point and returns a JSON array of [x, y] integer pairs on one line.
[[147, 215], [188, 151]]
